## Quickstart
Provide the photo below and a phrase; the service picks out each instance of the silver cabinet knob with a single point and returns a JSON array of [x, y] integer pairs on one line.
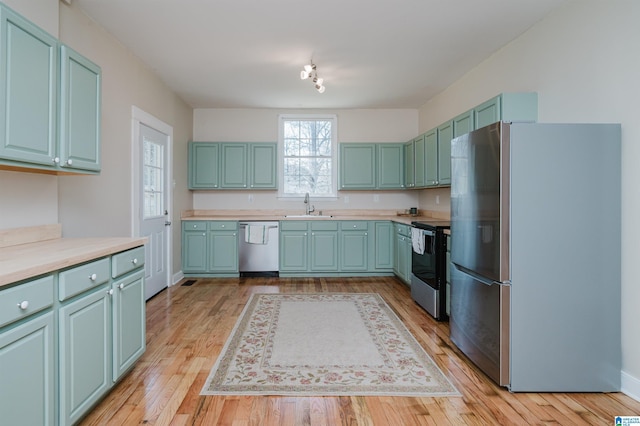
[[93, 277], [56, 160], [135, 261], [121, 286], [23, 305], [110, 292], [69, 162]]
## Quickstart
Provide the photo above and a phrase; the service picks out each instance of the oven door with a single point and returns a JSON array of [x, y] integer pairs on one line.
[[423, 266]]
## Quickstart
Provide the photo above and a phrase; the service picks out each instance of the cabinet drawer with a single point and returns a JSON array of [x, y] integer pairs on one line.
[[402, 229], [199, 225], [127, 261], [38, 294], [293, 225], [223, 226], [324, 225], [354, 225], [82, 278]]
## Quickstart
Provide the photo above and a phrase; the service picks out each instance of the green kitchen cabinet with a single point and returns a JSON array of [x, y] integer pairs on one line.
[[323, 246], [383, 246], [294, 243], [420, 166], [463, 124], [223, 247], [233, 165], [263, 166], [194, 246], [445, 134], [128, 321], [402, 251], [409, 165], [354, 246], [390, 168], [357, 166], [80, 105], [512, 107], [28, 92], [204, 169], [431, 158], [27, 354], [85, 353]]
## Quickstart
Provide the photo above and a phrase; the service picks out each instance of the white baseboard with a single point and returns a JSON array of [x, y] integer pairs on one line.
[[177, 277], [630, 385]]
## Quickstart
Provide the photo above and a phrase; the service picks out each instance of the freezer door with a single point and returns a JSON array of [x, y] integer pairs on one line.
[[479, 323], [480, 201]]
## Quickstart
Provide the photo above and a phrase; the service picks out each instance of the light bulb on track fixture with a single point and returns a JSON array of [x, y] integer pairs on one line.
[[308, 71]]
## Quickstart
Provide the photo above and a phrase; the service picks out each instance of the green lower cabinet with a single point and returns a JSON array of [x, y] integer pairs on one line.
[[383, 246], [324, 251], [402, 252], [194, 251], [27, 364], [223, 251], [293, 250], [85, 353], [128, 322], [354, 246]]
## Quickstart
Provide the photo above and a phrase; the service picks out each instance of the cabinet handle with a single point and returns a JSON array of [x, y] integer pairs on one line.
[[354, 226], [69, 162], [110, 292], [365, 234], [195, 226], [221, 226], [121, 286], [203, 234], [93, 277], [56, 160], [23, 305], [135, 261]]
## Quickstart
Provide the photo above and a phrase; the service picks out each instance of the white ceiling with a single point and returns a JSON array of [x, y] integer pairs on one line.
[[371, 54]]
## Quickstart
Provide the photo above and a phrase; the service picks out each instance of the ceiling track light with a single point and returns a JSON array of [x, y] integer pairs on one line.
[[309, 71]]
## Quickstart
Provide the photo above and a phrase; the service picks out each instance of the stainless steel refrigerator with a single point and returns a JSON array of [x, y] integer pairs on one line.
[[535, 252]]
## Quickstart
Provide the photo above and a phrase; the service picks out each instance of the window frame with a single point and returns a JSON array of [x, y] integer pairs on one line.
[[282, 118]]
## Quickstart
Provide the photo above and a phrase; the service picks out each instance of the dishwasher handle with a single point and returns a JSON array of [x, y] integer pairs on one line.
[[244, 225]]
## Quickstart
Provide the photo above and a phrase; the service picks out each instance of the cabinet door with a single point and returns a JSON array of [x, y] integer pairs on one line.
[[128, 323], [383, 252], [85, 353], [419, 152], [403, 258], [194, 251], [80, 89], [223, 251], [204, 165], [445, 134], [463, 124], [293, 251], [233, 165], [354, 255], [486, 113], [324, 250], [431, 157], [390, 166], [28, 91], [27, 373], [409, 165], [263, 165], [357, 166]]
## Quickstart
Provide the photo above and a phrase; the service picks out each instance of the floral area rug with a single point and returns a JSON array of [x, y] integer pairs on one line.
[[321, 345]]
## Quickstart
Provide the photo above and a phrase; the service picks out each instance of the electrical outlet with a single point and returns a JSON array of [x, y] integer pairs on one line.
[[251, 198], [437, 199], [346, 199], [376, 198]]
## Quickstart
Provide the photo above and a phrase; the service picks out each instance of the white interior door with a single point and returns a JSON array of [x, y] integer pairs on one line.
[[154, 209]]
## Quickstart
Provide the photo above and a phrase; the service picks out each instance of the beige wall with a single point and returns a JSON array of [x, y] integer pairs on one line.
[[362, 125], [583, 61]]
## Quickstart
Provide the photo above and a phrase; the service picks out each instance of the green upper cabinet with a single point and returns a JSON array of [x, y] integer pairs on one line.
[[431, 157], [390, 166], [233, 165], [28, 92], [463, 124], [445, 134], [204, 172], [263, 166], [80, 93], [519, 107], [50, 99], [420, 165], [409, 165], [357, 166]]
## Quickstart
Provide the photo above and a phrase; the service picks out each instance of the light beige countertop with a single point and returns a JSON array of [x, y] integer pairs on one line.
[[272, 215], [27, 256]]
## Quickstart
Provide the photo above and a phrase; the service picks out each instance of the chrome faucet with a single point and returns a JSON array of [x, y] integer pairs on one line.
[[308, 207]]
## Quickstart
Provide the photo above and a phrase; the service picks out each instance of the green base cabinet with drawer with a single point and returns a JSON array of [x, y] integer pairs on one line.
[[27, 353], [294, 243], [209, 248], [354, 246], [402, 251]]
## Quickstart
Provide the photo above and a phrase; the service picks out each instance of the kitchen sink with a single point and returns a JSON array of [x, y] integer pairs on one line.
[[308, 216]]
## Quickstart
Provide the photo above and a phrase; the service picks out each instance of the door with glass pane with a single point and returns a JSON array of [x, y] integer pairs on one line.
[[154, 212]]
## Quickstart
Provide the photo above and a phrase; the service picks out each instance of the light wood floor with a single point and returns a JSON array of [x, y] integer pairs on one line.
[[187, 327]]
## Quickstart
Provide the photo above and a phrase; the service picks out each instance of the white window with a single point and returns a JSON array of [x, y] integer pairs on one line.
[[307, 145], [153, 176]]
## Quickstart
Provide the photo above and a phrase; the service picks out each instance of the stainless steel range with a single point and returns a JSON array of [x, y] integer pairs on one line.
[[428, 267]]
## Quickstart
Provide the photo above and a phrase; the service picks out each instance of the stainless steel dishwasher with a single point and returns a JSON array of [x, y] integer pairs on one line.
[[262, 258]]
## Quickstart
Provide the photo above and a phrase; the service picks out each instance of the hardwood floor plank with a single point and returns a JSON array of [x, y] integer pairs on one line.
[[187, 328]]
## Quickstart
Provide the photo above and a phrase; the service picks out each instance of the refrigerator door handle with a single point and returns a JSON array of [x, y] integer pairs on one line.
[[479, 277]]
